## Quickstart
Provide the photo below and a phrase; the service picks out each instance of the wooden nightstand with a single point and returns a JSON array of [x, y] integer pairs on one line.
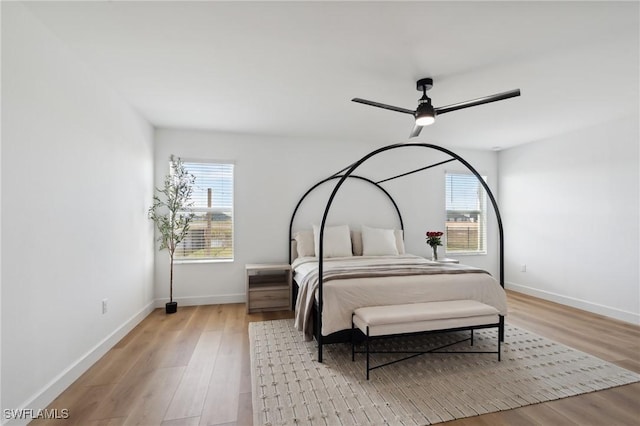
[[268, 287]]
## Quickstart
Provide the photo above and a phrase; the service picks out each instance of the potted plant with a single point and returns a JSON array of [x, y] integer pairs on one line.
[[168, 212]]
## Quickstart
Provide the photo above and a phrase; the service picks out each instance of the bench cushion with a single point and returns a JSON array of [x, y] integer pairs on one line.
[[417, 317]]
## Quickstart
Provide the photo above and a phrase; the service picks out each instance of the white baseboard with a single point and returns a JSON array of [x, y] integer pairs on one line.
[[630, 317], [55, 387], [204, 300]]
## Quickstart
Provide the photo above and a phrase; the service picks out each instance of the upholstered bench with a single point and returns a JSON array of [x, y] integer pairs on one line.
[[427, 317]]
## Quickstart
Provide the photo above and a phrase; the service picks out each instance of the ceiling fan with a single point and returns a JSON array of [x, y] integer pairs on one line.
[[425, 114]]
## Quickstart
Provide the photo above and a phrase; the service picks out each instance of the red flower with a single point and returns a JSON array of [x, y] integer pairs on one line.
[[433, 238]]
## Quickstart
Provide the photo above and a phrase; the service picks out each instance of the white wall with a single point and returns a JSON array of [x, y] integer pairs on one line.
[[271, 174], [77, 178], [571, 216]]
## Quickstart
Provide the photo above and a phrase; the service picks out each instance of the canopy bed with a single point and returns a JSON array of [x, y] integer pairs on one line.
[[338, 270]]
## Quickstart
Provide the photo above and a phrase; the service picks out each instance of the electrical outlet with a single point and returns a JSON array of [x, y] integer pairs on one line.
[[523, 268], [104, 305]]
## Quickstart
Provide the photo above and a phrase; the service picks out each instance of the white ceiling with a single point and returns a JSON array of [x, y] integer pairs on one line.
[[291, 68]]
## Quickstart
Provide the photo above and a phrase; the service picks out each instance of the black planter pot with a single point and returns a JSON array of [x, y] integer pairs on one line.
[[171, 307]]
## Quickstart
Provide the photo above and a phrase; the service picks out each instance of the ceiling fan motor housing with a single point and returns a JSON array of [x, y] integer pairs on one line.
[[425, 113]]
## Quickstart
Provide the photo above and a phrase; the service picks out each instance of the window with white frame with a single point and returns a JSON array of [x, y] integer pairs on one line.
[[466, 208], [210, 235]]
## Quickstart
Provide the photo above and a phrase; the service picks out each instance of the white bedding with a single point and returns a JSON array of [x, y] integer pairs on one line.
[[420, 280]]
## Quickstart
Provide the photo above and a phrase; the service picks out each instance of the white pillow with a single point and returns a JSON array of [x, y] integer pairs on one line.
[[304, 243], [399, 240], [356, 242], [337, 241], [378, 242]]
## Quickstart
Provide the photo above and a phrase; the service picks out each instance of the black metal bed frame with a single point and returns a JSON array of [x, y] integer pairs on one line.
[[346, 173]]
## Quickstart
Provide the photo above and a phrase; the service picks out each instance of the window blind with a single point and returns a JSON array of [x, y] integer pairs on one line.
[[210, 233], [466, 207]]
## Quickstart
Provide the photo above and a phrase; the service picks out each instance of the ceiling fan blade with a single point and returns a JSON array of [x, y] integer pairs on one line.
[[416, 131], [385, 106], [479, 101]]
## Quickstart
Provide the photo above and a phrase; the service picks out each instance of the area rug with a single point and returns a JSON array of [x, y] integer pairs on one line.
[[291, 388]]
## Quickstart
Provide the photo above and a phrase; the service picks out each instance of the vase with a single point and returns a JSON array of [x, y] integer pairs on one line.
[[434, 256]]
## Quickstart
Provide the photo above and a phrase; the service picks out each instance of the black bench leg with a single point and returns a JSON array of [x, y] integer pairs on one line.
[[353, 341], [501, 329], [367, 343]]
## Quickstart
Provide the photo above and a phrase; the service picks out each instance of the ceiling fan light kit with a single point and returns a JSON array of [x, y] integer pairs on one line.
[[425, 114]]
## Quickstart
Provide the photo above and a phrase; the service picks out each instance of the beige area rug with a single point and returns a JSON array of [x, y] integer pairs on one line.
[[291, 388]]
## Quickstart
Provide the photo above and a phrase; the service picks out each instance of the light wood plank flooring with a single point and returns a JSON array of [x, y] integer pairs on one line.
[[192, 368]]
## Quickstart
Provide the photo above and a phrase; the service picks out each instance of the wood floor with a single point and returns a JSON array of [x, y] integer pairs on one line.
[[192, 368]]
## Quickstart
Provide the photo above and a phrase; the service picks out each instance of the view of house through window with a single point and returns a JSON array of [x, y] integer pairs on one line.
[[210, 233], [466, 204]]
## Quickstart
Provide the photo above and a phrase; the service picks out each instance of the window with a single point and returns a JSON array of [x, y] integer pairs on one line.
[[210, 235], [466, 204]]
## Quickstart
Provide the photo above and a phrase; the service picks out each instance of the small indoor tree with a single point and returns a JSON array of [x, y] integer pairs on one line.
[[170, 213]]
